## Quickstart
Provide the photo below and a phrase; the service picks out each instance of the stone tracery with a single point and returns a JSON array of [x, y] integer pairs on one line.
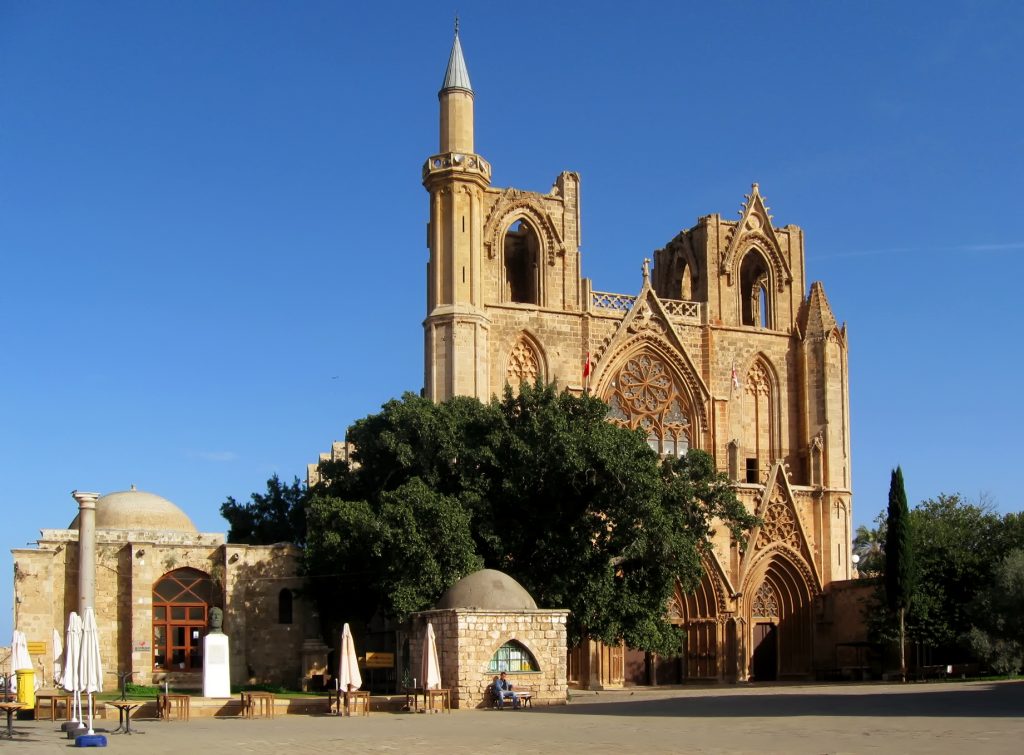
[[765, 601], [779, 525], [523, 364], [645, 394]]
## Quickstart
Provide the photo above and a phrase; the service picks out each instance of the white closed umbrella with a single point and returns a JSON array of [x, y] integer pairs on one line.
[[20, 658], [90, 665], [58, 652], [349, 677], [72, 652], [431, 668]]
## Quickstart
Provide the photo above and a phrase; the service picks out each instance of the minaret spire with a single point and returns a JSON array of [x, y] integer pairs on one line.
[[456, 76]]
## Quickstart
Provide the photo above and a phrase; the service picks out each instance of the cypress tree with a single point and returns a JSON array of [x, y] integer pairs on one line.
[[899, 559]]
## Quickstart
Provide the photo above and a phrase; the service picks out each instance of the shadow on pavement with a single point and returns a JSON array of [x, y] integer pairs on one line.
[[995, 700]]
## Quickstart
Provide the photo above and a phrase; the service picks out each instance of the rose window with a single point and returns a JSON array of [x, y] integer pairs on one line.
[[644, 395], [779, 526]]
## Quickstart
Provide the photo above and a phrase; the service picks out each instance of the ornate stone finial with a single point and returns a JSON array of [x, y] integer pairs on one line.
[[753, 187], [133, 488], [646, 267], [456, 24]]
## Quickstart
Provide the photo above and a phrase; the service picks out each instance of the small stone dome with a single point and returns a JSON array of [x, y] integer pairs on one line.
[[138, 510], [487, 590]]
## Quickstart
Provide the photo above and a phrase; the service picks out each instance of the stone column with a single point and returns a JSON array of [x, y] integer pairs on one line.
[[86, 549]]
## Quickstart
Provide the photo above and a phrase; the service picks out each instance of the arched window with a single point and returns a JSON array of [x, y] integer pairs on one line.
[[755, 299], [512, 657], [523, 364], [645, 395], [759, 410], [284, 606], [181, 600], [522, 264]]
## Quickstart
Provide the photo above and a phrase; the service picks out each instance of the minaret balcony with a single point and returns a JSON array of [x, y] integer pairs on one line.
[[456, 163]]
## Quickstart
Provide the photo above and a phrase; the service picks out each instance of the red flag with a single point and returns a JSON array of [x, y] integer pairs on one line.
[[587, 366]]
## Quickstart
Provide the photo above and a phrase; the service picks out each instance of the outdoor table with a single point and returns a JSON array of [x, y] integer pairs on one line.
[[412, 698], [52, 700], [263, 700], [443, 699], [167, 701], [352, 700], [11, 708], [124, 715]]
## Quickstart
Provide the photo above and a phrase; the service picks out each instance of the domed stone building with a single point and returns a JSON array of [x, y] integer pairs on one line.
[[156, 579], [487, 623]]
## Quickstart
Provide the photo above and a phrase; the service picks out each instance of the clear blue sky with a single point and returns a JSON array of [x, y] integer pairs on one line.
[[212, 224]]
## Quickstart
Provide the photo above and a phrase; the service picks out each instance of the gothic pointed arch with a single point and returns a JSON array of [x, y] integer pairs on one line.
[[756, 294], [779, 611], [668, 371], [759, 418], [781, 530], [754, 230], [525, 361], [645, 389], [678, 272], [699, 612], [516, 205]]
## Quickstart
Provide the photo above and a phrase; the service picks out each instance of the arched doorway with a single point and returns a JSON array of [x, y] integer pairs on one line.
[[181, 600], [700, 620], [781, 622], [765, 661]]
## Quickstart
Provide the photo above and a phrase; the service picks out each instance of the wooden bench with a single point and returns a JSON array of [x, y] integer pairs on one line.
[[525, 697]]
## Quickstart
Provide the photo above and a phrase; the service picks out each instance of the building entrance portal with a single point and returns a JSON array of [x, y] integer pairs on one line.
[[766, 652]]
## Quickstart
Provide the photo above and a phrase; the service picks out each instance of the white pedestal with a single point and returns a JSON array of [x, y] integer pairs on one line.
[[216, 670]]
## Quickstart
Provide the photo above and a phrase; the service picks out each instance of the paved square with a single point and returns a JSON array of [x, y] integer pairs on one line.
[[977, 717]]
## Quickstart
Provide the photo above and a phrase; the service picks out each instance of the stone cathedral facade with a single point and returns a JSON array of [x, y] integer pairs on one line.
[[724, 348]]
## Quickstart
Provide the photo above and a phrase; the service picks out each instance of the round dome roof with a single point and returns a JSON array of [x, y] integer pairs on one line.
[[487, 590], [138, 510]]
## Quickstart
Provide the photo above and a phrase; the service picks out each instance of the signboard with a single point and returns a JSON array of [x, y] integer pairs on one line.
[[379, 660], [141, 647], [36, 647]]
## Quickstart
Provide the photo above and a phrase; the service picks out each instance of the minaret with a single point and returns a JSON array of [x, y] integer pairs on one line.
[[456, 329]]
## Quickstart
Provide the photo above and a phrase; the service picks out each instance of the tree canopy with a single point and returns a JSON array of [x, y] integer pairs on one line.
[[275, 517], [959, 549], [539, 485]]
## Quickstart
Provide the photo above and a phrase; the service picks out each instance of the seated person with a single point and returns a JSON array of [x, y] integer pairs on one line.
[[503, 689]]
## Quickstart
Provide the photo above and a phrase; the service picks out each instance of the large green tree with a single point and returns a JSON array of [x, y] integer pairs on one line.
[[957, 546], [538, 485], [277, 516], [900, 573], [998, 637]]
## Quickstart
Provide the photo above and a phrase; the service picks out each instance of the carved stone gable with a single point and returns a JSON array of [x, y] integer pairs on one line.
[[755, 229]]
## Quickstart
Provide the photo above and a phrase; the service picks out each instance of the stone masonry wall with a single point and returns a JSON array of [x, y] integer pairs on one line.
[[467, 640]]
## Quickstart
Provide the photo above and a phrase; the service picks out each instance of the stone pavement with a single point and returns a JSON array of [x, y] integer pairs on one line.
[[973, 717]]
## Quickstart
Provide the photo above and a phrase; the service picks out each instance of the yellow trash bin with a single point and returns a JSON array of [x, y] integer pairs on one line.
[[27, 687]]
